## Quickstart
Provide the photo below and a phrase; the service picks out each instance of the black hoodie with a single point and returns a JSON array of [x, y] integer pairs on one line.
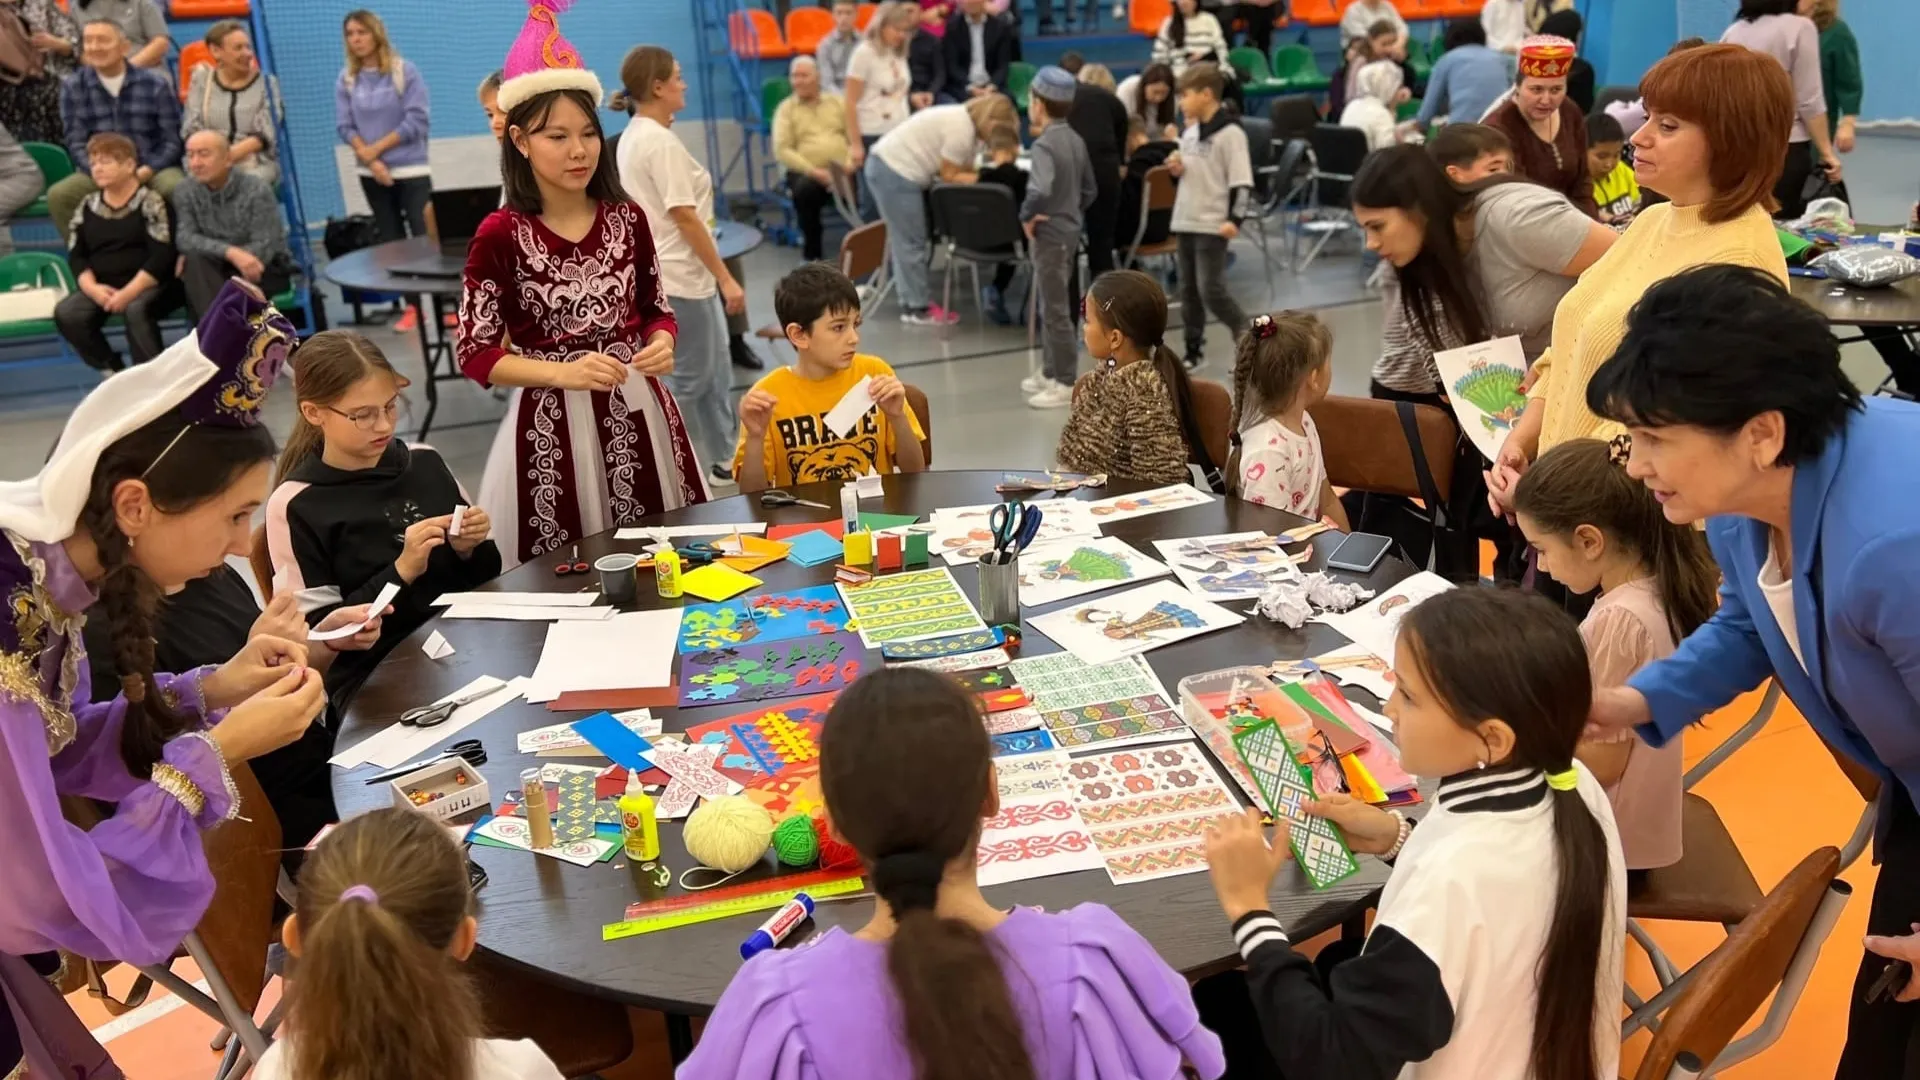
[[334, 536]]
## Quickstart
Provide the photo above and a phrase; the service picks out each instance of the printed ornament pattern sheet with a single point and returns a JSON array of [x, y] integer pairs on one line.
[[1065, 569], [776, 669], [773, 752], [1230, 566], [1483, 385], [910, 606], [1376, 624], [1148, 808], [1083, 705], [1123, 624], [1037, 832]]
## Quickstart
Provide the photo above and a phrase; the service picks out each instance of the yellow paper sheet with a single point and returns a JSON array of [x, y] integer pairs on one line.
[[716, 582]]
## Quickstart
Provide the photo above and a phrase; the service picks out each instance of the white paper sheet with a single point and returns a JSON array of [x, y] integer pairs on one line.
[[1230, 566], [627, 652], [675, 532], [400, 743], [387, 593], [1065, 569], [1482, 383], [852, 406], [517, 599], [1374, 625], [1038, 831], [1142, 503], [1103, 628], [459, 514], [528, 614], [437, 647]]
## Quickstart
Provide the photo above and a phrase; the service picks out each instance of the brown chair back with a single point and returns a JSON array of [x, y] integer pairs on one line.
[[1727, 987], [1160, 188], [917, 401], [1213, 415], [244, 856], [1366, 450], [863, 251], [262, 562]]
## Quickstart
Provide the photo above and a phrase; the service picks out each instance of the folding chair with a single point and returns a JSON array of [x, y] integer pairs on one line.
[[986, 215], [1156, 194], [1771, 952], [1368, 447], [1293, 116], [1335, 153], [863, 258], [923, 412], [1265, 181]]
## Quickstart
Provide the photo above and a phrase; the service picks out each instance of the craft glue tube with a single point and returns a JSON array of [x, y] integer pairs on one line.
[[666, 573], [850, 507], [775, 930], [639, 829], [533, 802]]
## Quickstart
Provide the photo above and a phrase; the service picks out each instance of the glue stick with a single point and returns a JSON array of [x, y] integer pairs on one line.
[[775, 930], [666, 573], [639, 830]]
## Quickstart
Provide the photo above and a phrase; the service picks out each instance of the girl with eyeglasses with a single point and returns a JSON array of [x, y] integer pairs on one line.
[[354, 508]]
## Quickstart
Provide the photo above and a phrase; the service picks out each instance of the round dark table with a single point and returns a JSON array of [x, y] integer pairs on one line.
[[545, 915]]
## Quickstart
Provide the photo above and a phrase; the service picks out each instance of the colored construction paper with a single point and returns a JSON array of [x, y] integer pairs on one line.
[[758, 671], [756, 552], [876, 522], [612, 738], [813, 547], [836, 529], [717, 582], [797, 613]]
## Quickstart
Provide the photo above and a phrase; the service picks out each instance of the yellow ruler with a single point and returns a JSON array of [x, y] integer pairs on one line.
[[726, 908]]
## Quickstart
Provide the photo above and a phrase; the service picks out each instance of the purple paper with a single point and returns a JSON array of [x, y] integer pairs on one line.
[[776, 669]]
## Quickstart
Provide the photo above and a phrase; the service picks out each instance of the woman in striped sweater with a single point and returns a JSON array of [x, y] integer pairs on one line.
[[1190, 36]]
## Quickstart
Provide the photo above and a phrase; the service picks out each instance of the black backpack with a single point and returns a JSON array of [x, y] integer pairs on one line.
[[349, 234]]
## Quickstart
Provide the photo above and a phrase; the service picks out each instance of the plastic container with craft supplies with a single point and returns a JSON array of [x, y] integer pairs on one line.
[[1217, 703], [442, 790]]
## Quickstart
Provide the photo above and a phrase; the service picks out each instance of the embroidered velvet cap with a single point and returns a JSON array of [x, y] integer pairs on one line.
[[1544, 56], [248, 340], [542, 60], [1053, 83]]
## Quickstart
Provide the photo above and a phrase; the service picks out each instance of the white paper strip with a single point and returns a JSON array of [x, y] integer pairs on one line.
[[517, 599], [528, 614], [674, 532], [387, 593]]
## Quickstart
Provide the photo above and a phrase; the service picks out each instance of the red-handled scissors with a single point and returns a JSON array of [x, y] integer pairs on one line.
[[575, 565]]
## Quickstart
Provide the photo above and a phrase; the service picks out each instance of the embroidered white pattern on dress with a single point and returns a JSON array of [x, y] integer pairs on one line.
[[544, 473]]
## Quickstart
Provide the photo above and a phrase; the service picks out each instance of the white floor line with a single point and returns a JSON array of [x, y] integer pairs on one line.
[[144, 1015]]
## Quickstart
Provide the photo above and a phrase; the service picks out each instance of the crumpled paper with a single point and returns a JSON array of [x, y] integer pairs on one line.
[[1292, 602]]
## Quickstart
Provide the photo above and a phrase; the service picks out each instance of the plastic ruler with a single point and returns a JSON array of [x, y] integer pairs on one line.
[[724, 903]]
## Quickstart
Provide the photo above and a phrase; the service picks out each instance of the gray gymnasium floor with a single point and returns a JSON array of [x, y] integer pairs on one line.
[[970, 372]]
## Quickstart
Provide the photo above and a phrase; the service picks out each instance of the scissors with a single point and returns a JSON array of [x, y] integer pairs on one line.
[[435, 715], [777, 497], [699, 554], [1014, 526], [575, 565], [470, 749]]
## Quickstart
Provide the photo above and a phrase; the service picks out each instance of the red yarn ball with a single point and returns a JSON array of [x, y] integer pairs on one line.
[[835, 853]]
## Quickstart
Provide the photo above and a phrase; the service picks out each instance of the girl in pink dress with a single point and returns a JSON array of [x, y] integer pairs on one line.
[[563, 301]]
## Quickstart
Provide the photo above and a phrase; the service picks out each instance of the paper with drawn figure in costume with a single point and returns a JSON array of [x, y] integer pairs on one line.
[[1121, 624], [1352, 665], [1375, 625], [1037, 832], [1142, 503], [1229, 566], [1065, 569]]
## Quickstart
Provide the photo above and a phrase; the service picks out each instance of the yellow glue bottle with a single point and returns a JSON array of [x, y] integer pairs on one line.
[[639, 830], [666, 573]]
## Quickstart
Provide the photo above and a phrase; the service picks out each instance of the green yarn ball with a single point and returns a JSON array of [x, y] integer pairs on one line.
[[793, 841]]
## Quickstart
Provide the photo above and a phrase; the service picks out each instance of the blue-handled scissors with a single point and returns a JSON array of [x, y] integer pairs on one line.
[[1014, 526]]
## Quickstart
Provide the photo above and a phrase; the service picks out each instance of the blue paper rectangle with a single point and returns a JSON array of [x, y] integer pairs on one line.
[[612, 738], [814, 548], [1022, 742]]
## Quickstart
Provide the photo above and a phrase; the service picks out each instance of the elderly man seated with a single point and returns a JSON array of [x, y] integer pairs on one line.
[[810, 139], [227, 223]]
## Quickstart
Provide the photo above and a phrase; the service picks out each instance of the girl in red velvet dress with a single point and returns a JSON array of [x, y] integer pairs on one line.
[[563, 301]]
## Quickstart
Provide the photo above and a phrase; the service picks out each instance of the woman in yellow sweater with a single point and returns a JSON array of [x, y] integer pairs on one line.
[[1718, 118]]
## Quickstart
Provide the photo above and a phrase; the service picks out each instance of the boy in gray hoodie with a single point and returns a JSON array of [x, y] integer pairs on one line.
[[1059, 190]]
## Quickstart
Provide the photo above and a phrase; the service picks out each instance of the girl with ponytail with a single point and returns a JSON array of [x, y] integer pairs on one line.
[[940, 984], [1282, 366], [1132, 415], [383, 921], [1498, 945], [1596, 528]]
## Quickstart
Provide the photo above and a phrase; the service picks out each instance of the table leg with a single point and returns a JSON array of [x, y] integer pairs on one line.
[[429, 358], [679, 1036]]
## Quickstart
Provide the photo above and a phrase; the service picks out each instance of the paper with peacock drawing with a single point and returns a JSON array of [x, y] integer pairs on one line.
[[1065, 569], [1483, 383]]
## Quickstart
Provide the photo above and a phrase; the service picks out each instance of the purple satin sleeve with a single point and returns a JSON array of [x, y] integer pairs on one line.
[[1132, 1014], [91, 766], [132, 887], [754, 1030]]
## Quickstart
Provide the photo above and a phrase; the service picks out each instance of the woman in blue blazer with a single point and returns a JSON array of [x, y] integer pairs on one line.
[[1741, 417]]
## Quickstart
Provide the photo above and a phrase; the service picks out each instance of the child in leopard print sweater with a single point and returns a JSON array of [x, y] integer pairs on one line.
[[1132, 413]]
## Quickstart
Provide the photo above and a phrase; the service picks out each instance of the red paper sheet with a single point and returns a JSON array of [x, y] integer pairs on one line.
[[835, 529]]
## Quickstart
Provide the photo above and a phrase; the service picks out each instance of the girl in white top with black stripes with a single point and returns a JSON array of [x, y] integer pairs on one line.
[[1191, 36], [1497, 949]]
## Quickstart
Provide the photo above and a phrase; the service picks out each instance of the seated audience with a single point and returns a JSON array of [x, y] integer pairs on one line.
[[1383, 44], [1361, 18], [939, 974], [21, 182], [1615, 191], [233, 97], [229, 223], [783, 436], [835, 51], [1132, 414], [1003, 168], [1491, 694], [1190, 35], [355, 509], [1470, 152], [109, 94], [382, 924], [976, 53], [1548, 131], [30, 108], [1143, 155], [120, 247], [1596, 529], [142, 23], [1467, 79], [1377, 90], [1282, 367], [810, 139]]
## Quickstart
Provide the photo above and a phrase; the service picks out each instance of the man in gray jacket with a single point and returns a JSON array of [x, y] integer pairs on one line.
[[1059, 190], [226, 223]]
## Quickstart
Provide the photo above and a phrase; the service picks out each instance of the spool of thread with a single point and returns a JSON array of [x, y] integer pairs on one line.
[[835, 853], [793, 841], [728, 833]]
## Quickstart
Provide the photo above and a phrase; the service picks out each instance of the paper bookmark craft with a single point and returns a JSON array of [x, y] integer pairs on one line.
[[986, 681], [1317, 844], [512, 832], [690, 769], [1021, 742], [1148, 807], [573, 815], [563, 737], [770, 670], [973, 661], [1037, 832], [1013, 697], [910, 606], [950, 645], [611, 737]]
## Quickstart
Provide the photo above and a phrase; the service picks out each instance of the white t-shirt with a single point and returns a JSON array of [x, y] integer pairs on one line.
[[113, 83], [884, 82], [660, 174], [1372, 117], [1281, 469], [493, 1059], [916, 148], [1777, 586]]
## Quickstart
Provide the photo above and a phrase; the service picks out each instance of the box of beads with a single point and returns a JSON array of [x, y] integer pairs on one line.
[[442, 789]]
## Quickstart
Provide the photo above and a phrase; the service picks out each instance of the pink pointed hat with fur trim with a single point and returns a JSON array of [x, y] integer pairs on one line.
[[542, 60]]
